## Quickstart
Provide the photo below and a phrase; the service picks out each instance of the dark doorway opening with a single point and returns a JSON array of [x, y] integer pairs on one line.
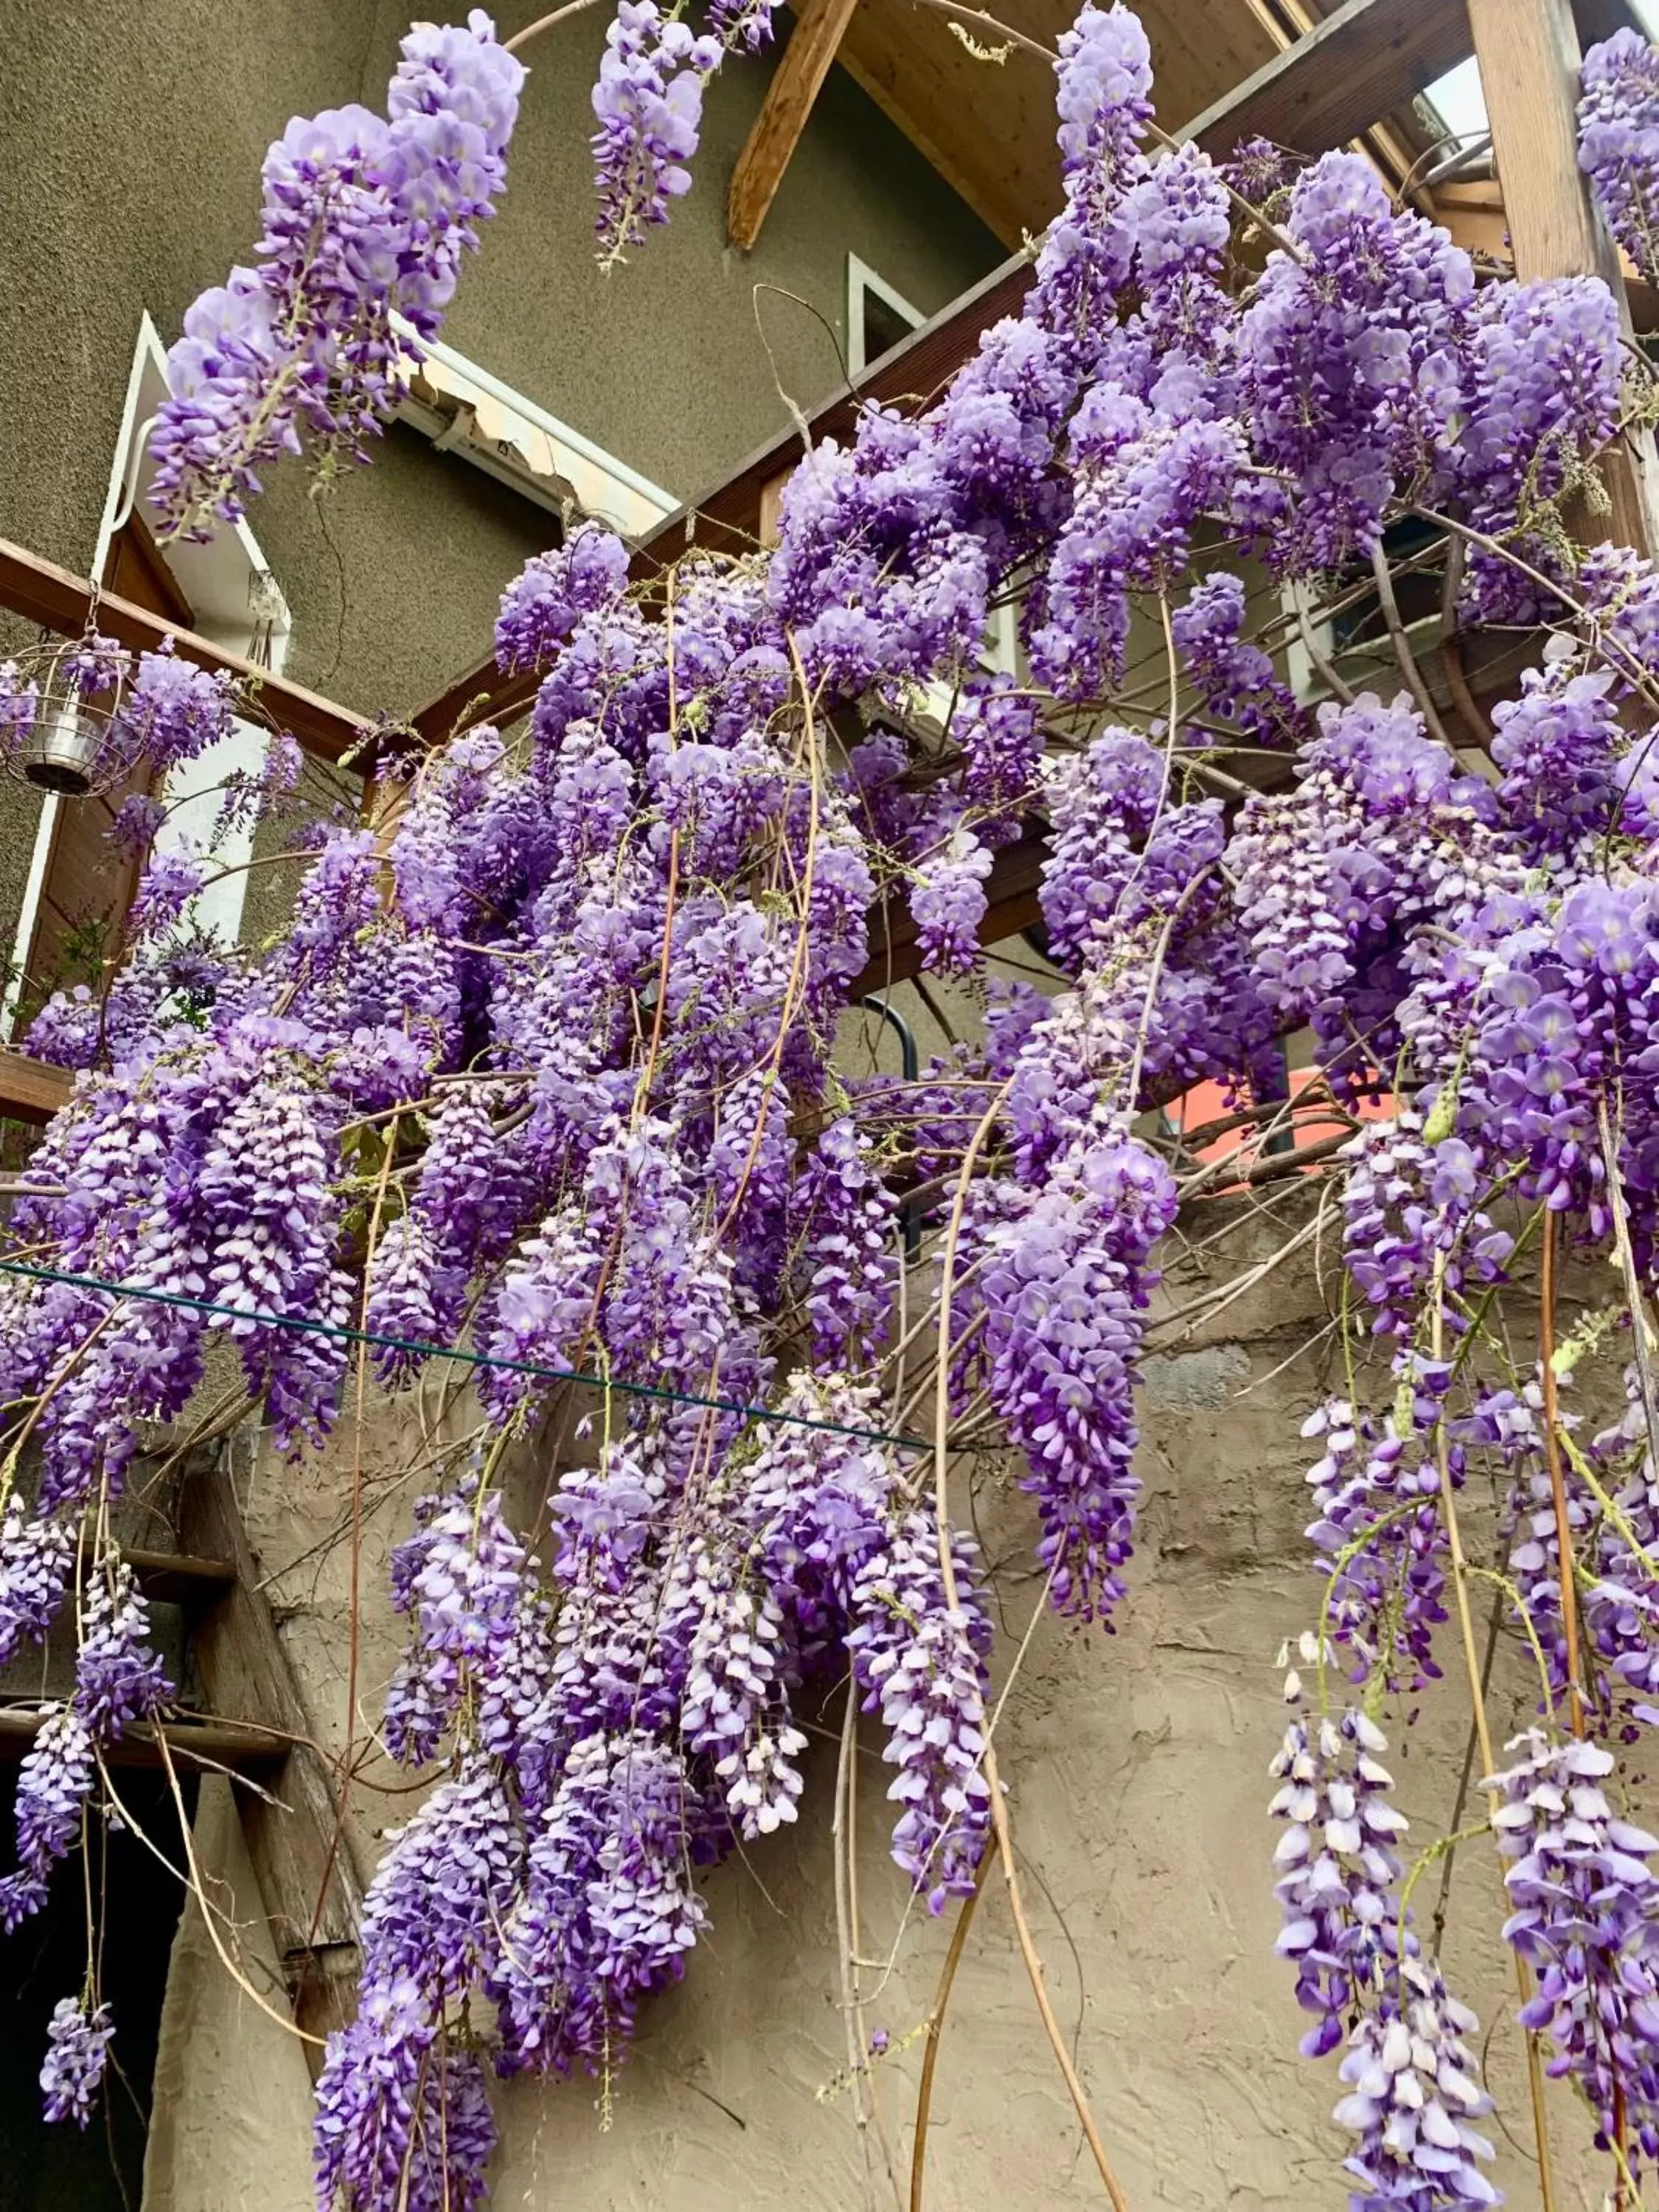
[[135, 1904]]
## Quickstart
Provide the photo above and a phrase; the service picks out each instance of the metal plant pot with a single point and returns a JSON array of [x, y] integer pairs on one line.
[[62, 754]]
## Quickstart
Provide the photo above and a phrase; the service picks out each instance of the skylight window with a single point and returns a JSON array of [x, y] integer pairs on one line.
[[1458, 101]]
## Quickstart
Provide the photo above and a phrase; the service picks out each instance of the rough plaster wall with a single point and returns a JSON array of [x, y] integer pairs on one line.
[[1136, 1767]]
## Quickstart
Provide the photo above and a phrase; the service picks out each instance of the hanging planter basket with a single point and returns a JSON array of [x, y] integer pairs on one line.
[[81, 716], [62, 725]]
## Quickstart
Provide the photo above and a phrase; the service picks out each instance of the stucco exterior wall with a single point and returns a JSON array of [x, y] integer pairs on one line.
[[1136, 1768]]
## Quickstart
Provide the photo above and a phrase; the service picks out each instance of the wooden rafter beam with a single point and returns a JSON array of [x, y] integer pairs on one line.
[[172, 1578], [206, 1742], [1287, 20], [32, 1090], [1361, 64], [796, 83], [42, 592]]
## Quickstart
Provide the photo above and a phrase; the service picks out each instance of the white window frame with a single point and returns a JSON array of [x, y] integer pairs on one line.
[[861, 281], [235, 603]]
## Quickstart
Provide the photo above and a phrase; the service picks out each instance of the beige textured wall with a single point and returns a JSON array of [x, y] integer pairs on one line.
[[230, 2089], [1136, 1767]]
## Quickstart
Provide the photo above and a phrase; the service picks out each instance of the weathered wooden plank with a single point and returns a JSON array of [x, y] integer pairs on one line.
[[173, 1579], [209, 1742], [1358, 66], [42, 592], [796, 83], [32, 1090], [301, 1857], [988, 129], [1529, 62]]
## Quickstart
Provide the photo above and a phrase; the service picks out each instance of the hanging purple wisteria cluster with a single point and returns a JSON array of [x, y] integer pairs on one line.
[[543, 1079]]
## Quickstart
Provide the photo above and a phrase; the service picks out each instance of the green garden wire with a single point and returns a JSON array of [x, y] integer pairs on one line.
[[456, 1352]]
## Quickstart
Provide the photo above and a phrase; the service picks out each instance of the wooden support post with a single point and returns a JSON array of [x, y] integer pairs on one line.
[[302, 1859], [789, 97], [1529, 62]]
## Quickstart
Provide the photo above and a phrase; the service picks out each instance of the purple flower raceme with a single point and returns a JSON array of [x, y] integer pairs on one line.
[[949, 900], [848, 1251], [432, 1929], [1104, 78], [1381, 1542], [1406, 1203], [1346, 354], [118, 1680], [1340, 1867], [1413, 2088], [1619, 140], [921, 1660], [587, 575], [607, 1912], [1063, 1295], [54, 1784], [364, 216], [1559, 746], [736, 1707], [1413, 2092], [1234, 678], [164, 889], [78, 2038], [649, 104], [1543, 397], [35, 1558], [459, 1578], [1586, 1917]]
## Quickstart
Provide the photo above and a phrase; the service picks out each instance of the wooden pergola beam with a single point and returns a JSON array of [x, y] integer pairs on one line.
[[1358, 66], [1529, 59], [208, 1742], [171, 1578], [796, 83], [42, 592]]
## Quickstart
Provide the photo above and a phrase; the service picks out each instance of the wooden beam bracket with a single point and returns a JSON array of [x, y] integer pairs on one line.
[[796, 83]]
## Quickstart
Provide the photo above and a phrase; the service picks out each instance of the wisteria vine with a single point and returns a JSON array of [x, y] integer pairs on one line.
[[544, 1074]]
